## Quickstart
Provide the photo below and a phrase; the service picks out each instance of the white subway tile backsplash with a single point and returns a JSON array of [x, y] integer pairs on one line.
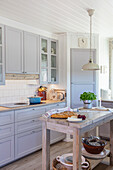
[[16, 91]]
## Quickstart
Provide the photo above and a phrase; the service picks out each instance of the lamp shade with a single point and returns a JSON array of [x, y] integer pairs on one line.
[[90, 66]]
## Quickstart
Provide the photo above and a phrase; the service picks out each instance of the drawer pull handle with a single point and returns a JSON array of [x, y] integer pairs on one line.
[[33, 109], [33, 132], [33, 120]]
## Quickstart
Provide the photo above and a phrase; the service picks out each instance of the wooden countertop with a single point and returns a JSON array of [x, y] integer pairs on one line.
[[47, 102], [92, 119]]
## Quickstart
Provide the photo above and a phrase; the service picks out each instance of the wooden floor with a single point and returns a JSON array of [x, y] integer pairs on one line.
[[33, 161]]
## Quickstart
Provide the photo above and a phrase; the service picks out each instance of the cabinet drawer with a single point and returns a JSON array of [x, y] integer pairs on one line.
[[6, 131], [6, 150], [30, 113], [27, 125], [50, 107], [55, 106], [26, 143], [61, 105], [6, 117]]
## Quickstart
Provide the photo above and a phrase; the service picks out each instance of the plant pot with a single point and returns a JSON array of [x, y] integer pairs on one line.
[[87, 104]]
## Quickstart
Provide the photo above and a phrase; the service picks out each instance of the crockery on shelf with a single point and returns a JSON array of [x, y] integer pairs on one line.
[[67, 160], [93, 144]]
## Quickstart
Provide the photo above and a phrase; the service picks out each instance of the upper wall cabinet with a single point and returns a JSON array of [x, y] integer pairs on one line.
[[22, 52], [14, 50], [48, 61], [2, 71], [31, 53]]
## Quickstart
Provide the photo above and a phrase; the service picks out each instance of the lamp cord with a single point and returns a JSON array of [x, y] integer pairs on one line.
[[91, 60]]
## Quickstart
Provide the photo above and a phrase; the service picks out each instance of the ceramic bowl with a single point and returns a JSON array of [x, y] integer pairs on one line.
[[69, 158], [94, 149]]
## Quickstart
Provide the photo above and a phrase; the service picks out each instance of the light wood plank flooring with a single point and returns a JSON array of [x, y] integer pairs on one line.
[[33, 161]]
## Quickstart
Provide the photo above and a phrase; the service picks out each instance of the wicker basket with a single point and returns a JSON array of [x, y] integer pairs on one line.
[[58, 166]]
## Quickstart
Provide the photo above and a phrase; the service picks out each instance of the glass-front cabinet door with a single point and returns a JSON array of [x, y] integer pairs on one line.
[[53, 60], [48, 61], [44, 60], [2, 73]]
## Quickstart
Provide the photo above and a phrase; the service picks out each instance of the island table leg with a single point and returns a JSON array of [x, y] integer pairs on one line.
[[111, 142], [76, 150], [45, 147]]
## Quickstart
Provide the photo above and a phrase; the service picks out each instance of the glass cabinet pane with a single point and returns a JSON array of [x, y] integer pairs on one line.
[[53, 47], [0, 35], [1, 74], [53, 61], [53, 75], [44, 61], [44, 75], [44, 46]]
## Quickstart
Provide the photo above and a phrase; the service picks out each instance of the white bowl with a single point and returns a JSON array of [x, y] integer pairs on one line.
[[62, 159]]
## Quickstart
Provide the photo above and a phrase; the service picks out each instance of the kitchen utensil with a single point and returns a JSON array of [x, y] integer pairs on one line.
[[56, 165], [67, 160], [93, 145], [101, 155], [34, 100], [76, 120], [42, 92]]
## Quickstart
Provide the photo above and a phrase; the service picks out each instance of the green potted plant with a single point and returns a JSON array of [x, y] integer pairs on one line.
[[87, 98]]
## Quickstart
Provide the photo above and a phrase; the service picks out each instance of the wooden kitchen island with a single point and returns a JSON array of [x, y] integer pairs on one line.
[[93, 119]]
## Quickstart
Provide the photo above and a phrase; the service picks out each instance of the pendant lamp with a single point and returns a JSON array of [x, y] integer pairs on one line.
[[90, 65]]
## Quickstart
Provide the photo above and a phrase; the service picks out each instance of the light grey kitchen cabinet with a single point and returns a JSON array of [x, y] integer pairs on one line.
[[31, 53], [29, 113], [48, 61], [56, 106], [104, 131], [6, 131], [6, 137], [14, 50], [21, 132], [27, 125], [6, 150], [6, 117], [28, 142], [2, 61], [53, 78]]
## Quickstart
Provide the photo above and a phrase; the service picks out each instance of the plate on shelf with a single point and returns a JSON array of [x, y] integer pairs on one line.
[[102, 155]]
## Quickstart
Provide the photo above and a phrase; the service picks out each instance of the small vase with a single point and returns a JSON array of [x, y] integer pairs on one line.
[[87, 104]]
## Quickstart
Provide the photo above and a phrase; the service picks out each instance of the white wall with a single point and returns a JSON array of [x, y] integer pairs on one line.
[[104, 61], [16, 91], [62, 61]]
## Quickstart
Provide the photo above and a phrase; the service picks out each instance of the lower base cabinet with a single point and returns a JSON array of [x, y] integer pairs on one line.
[[104, 130], [23, 135], [28, 142], [6, 150]]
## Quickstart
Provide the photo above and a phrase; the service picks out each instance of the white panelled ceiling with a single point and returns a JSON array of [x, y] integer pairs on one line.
[[61, 15]]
